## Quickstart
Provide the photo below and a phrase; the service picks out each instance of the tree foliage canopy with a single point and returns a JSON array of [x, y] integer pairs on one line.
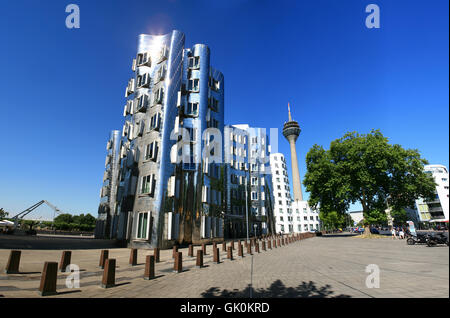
[[3, 213], [334, 220], [75, 222], [366, 169]]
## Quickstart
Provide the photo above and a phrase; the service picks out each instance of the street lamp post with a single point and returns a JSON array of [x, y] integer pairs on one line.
[[246, 201]]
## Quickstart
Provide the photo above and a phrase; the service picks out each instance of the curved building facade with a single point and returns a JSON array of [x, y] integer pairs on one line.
[[167, 193]]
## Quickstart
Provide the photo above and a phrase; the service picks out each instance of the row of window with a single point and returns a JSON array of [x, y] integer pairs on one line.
[[286, 187], [305, 227], [141, 102], [305, 218], [238, 138], [134, 130]]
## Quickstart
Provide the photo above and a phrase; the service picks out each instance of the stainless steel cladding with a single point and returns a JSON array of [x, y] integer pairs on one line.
[[108, 218], [173, 92]]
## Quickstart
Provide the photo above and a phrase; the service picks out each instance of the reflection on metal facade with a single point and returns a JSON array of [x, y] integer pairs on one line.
[[173, 91], [172, 185], [248, 181], [107, 220]]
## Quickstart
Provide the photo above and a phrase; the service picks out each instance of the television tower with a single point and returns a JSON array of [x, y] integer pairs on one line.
[[291, 131]]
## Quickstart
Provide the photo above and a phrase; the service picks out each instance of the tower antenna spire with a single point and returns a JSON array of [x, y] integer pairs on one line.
[[289, 110]]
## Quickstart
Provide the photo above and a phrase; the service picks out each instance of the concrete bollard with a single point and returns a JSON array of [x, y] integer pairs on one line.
[[240, 251], [275, 243], [109, 273], [249, 249], [104, 254], [178, 264], [214, 246], [174, 251], [48, 279], [232, 245], [191, 250], [216, 256], [12, 267], [269, 244], [149, 267], [224, 247], [133, 257], [257, 248], [283, 241], [199, 262], [278, 242], [156, 254], [263, 245], [204, 249], [230, 253], [65, 260]]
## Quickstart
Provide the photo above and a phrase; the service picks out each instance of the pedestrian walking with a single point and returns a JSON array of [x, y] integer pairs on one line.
[[401, 234], [394, 236]]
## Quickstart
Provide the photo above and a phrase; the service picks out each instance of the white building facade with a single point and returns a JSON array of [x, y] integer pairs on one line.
[[436, 210], [290, 216]]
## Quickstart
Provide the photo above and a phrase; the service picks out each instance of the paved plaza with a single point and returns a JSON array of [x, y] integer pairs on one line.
[[328, 266]]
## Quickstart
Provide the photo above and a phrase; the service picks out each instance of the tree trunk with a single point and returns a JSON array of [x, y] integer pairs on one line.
[[363, 203]]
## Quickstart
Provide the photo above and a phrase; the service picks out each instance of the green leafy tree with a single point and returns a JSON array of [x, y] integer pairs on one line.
[[3, 214], [400, 217], [69, 222], [366, 169], [332, 220], [64, 218]]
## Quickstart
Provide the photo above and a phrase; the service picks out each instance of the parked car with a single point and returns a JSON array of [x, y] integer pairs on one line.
[[374, 230]]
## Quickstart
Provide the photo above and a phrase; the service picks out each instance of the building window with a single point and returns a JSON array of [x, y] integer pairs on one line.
[[147, 184], [142, 225], [143, 80], [214, 104], [214, 84], [142, 102], [194, 62], [193, 85], [254, 195], [192, 133], [154, 121], [158, 96], [151, 151], [143, 59], [192, 109]]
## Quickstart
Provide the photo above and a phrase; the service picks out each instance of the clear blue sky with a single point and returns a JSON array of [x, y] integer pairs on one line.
[[62, 91]]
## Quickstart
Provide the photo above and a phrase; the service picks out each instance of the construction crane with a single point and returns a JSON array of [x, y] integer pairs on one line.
[[33, 207]]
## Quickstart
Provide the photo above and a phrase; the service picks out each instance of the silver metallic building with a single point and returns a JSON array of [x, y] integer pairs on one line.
[[248, 182], [107, 210], [174, 94], [173, 185]]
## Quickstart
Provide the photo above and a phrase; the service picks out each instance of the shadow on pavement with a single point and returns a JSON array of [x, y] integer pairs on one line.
[[54, 243], [276, 289]]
